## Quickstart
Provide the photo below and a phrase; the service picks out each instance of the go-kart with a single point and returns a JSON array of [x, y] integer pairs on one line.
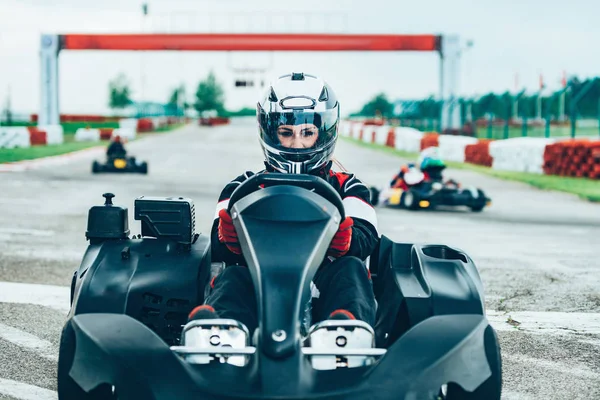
[[417, 191], [120, 163], [126, 335]]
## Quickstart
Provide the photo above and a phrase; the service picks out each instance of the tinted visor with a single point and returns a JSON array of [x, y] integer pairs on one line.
[[299, 131]]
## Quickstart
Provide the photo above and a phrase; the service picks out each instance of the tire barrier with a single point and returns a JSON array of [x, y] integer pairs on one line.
[[54, 133], [524, 154], [407, 139], [14, 137], [452, 148], [430, 139], [87, 135], [577, 158], [479, 153]]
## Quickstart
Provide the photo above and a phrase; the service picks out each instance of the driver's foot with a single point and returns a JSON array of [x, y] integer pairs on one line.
[[203, 312], [341, 315]]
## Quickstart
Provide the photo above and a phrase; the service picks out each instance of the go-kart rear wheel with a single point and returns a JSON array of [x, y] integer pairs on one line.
[[478, 208], [490, 389], [68, 389], [95, 167], [374, 195], [144, 168]]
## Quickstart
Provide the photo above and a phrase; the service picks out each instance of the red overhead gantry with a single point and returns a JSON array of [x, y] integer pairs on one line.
[[51, 45]]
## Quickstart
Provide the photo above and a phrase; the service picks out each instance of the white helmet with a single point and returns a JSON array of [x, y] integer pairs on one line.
[[309, 104]]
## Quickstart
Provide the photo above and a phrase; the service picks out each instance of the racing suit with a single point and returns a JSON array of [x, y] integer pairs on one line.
[[116, 149], [341, 283]]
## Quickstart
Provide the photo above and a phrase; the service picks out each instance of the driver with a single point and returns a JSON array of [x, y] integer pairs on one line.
[[116, 148], [298, 120], [431, 164]]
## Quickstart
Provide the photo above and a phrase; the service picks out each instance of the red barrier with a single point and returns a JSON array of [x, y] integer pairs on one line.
[[578, 158], [37, 137], [213, 121], [430, 139], [479, 153], [106, 133], [391, 138], [145, 125]]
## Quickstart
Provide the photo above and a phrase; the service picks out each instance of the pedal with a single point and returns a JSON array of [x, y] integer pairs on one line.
[[215, 340], [341, 344]]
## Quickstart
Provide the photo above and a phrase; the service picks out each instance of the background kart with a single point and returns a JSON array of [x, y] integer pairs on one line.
[[429, 194], [130, 298], [120, 164]]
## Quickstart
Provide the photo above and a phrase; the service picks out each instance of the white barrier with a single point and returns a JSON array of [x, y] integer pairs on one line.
[[124, 133], [368, 133], [87, 135], [381, 134], [54, 133], [525, 154], [408, 139], [128, 123], [452, 148], [12, 137], [356, 128], [345, 128]]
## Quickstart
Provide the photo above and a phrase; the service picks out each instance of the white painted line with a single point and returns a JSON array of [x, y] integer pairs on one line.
[[24, 391], [29, 232], [55, 297], [545, 322], [30, 342]]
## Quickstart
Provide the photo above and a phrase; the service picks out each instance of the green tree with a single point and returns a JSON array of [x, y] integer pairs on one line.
[[178, 97], [210, 95], [378, 105], [119, 92]]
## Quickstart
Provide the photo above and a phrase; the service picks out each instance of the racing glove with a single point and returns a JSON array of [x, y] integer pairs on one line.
[[227, 234], [340, 244]]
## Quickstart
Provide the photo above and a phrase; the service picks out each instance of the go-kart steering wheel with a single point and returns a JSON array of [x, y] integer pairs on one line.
[[310, 182]]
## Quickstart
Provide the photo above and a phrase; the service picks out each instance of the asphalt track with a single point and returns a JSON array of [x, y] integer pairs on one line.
[[537, 252]]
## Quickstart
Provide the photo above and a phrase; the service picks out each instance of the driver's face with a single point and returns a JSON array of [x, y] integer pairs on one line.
[[302, 136]]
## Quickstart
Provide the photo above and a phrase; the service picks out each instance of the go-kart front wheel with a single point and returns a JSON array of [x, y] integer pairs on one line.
[[68, 389], [95, 167], [410, 200], [144, 168], [490, 389]]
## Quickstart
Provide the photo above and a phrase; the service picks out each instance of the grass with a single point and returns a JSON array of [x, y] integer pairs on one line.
[[587, 189], [30, 153], [69, 145]]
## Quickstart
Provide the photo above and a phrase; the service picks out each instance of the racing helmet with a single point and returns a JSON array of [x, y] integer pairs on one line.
[[298, 119], [430, 158]]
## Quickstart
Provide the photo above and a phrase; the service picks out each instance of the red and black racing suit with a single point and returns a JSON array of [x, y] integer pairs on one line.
[[342, 283]]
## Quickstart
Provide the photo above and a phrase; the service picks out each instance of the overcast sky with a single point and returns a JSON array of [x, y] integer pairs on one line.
[[524, 37]]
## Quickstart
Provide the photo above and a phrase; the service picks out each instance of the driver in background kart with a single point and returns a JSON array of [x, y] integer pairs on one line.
[[430, 164], [298, 121], [116, 148]]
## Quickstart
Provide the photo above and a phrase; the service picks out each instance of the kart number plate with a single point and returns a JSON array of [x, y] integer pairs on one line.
[[395, 197], [120, 163]]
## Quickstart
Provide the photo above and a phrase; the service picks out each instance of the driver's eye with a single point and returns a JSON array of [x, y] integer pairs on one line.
[[285, 133], [308, 133]]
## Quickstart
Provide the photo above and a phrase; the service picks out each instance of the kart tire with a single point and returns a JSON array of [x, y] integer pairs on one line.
[[490, 389], [144, 168], [374, 195], [410, 200], [95, 167], [478, 208], [68, 389]]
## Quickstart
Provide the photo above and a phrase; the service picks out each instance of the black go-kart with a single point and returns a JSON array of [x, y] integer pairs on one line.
[[126, 335], [120, 163], [417, 192]]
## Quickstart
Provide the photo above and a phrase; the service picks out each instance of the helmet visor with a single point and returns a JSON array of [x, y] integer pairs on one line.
[[299, 131]]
